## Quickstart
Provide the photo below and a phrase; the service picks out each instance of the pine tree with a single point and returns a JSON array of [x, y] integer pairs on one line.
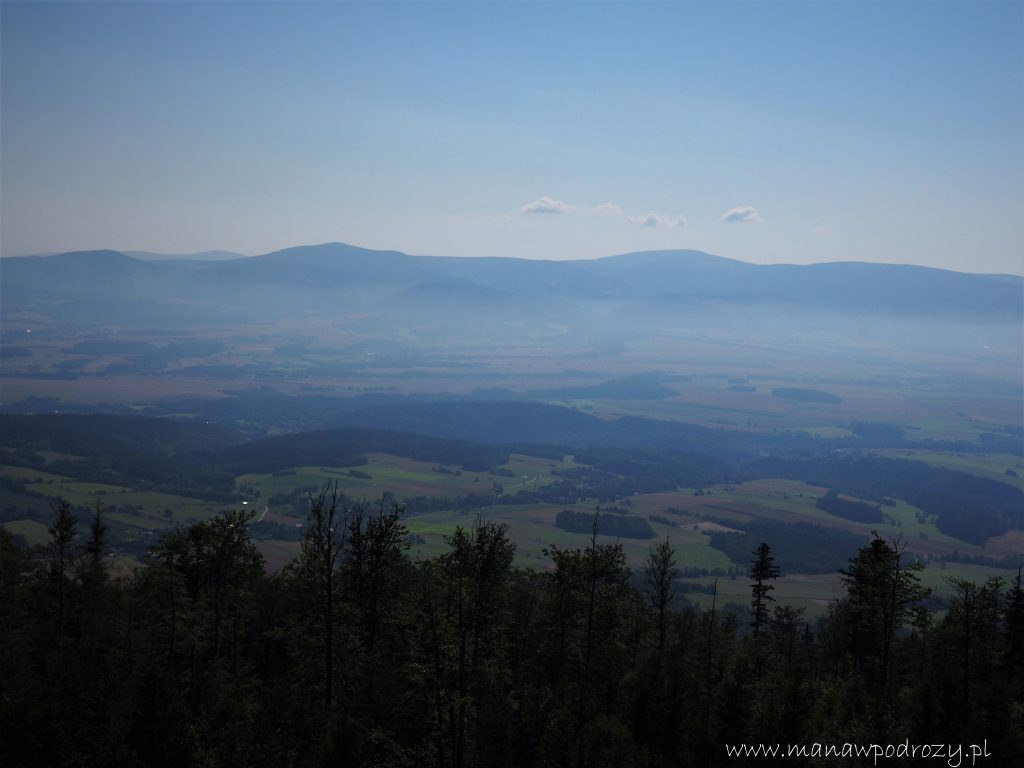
[[62, 533], [659, 572], [762, 571], [93, 571], [326, 530], [1014, 619], [882, 592]]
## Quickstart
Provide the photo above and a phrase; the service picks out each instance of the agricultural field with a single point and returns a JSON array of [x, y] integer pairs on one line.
[[812, 592], [689, 518], [405, 477], [148, 510], [532, 529], [34, 532], [685, 516], [791, 501]]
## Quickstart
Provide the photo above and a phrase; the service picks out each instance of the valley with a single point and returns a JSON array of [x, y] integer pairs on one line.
[[715, 401]]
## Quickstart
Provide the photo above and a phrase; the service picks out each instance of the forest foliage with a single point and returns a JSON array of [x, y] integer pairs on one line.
[[354, 654]]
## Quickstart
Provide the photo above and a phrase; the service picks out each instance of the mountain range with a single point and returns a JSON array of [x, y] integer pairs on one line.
[[340, 279]]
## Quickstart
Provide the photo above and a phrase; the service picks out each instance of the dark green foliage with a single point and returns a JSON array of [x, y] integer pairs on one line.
[[157, 453], [847, 509], [348, 447], [659, 572], [762, 571], [327, 529], [647, 471], [797, 548], [806, 395], [879, 434], [354, 655], [884, 591]]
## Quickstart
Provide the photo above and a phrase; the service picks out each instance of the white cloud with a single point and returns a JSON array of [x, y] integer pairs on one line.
[[657, 220], [608, 209], [742, 215], [547, 205]]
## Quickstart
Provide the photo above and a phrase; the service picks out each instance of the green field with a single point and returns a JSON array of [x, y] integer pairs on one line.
[[30, 475], [146, 510], [35, 533], [811, 592], [532, 529], [407, 477], [935, 575], [791, 501]]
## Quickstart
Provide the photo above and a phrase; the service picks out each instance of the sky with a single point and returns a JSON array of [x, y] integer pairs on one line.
[[792, 132]]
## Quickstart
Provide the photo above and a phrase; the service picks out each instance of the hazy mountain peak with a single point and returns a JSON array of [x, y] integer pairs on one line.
[[213, 255], [662, 257]]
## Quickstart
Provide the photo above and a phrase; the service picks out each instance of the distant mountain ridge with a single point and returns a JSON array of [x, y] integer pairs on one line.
[[198, 256], [336, 278]]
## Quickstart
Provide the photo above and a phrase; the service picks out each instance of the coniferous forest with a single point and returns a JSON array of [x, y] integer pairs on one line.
[[355, 655]]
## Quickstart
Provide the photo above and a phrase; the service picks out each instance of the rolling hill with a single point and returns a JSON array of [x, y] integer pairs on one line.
[[335, 279]]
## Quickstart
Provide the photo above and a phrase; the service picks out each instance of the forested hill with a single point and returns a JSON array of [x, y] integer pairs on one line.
[[526, 422], [618, 458]]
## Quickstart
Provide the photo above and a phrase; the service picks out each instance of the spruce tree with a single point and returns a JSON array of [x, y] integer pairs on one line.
[[659, 572], [762, 571]]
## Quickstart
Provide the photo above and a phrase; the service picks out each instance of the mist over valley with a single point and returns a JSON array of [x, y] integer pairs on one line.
[[656, 375]]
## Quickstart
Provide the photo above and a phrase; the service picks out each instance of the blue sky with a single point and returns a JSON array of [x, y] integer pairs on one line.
[[768, 132]]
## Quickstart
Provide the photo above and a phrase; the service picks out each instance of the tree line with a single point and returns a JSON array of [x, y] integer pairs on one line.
[[354, 654]]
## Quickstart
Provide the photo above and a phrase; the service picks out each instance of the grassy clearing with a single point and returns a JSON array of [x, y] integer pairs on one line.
[[122, 566], [182, 508], [267, 485], [135, 520], [936, 575], [52, 456], [31, 476], [150, 511], [85, 494], [147, 510], [277, 554], [790, 501], [924, 537], [785, 501], [35, 533], [828, 432], [940, 426], [532, 529], [810, 592], [1010, 543], [408, 477]]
